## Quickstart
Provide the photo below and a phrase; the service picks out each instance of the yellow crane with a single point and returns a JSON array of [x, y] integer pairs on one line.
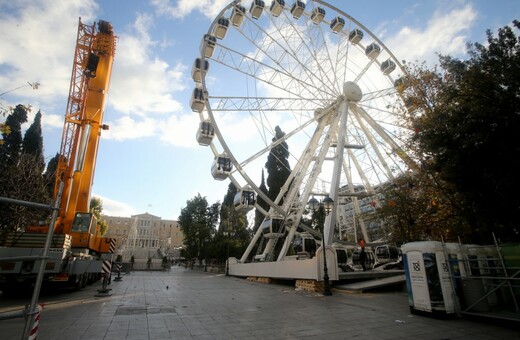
[[77, 246]]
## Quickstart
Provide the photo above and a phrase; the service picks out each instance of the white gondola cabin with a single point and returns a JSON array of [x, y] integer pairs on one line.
[[355, 36], [297, 9], [388, 66], [337, 24], [373, 50], [386, 254], [317, 16], [237, 15], [273, 227], [245, 199], [198, 71], [205, 133], [256, 9], [197, 102], [304, 245], [221, 27], [221, 167], [207, 46], [277, 7]]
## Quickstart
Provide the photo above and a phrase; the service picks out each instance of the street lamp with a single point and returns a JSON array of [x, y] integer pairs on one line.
[[314, 205]]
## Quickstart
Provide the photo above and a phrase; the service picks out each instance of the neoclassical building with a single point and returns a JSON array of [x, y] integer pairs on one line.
[[145, 236]]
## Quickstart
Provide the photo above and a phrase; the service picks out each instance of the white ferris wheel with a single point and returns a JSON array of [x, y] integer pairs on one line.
[[309, 78]]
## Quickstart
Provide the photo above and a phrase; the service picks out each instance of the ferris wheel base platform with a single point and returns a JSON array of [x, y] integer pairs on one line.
[[290, 268]]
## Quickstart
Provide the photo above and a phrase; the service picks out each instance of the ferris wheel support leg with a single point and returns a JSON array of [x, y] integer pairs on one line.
[[258, 233], [286, 244], [330, 220]]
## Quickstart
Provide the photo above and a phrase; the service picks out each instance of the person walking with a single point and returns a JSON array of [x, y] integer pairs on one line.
[[362, 254]]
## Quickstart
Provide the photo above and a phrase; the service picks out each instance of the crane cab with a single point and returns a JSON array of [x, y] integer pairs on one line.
[[337, 24], [199, 70], [304, 245], [205, 133], [256, 9], [221, 167], [297, 9], [355, 36], [197, 100], [220, 29], [387, 67], [277, 7], [207, 46], [237, 15], [273, 227], [373, 50], [317, 16], [245, 199]]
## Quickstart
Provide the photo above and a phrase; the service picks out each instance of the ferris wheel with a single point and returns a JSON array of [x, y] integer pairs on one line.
[[311, 81]]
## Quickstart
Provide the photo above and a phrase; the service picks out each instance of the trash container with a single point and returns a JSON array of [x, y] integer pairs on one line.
[[428, 279]]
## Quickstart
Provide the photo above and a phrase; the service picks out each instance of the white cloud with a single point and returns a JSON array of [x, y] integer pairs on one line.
[[141, 82], [180, 130], [126, 127], [445, 33], [115, 208], [39, 45], [209, 8]]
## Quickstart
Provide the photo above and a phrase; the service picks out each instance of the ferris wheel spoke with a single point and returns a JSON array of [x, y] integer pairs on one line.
[[279, 55], [264, 73], [308, 46], [383, 93], [383, 134], [252, 104], [285, 138]]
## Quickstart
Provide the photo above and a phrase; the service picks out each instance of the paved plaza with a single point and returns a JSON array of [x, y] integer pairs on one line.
[[190, 304]]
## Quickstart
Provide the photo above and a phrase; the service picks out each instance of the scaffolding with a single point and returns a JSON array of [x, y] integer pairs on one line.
[[485, 279]]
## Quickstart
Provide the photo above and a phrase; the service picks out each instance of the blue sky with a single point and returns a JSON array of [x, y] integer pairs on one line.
[[149, 161]]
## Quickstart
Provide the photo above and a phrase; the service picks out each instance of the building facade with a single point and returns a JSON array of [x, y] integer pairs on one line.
[[145, 236]]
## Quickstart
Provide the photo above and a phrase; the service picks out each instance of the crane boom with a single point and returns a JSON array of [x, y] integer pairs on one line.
[[90, 80]]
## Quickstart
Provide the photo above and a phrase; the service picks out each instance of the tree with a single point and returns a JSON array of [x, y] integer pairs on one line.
[[50, 174], [194, 224], [233, 236], [465, 118], [11, 147], [277, 165], [21, 167], [33, 142], [96, 208], [259, 217]]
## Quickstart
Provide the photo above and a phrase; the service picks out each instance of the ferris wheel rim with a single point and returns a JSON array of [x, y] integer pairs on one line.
[[239, 165]]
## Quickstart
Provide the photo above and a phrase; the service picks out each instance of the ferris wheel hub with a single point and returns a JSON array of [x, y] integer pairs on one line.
[[352, 91]]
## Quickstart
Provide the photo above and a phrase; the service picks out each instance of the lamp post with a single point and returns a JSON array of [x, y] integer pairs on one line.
[[314, 205], [34, 86]]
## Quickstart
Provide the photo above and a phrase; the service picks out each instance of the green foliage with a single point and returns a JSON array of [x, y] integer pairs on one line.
[[259, 217], [21, 167], [50, 174], [277, 165], [96, 208], [465, 118], [195, 225]]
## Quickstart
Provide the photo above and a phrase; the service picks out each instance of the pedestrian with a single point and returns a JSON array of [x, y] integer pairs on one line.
[[362, 254]]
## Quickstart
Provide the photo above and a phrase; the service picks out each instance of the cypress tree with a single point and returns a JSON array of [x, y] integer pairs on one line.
[[277, 165]]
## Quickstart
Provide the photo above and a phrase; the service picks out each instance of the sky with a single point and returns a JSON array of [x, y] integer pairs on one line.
[[149, 160]]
